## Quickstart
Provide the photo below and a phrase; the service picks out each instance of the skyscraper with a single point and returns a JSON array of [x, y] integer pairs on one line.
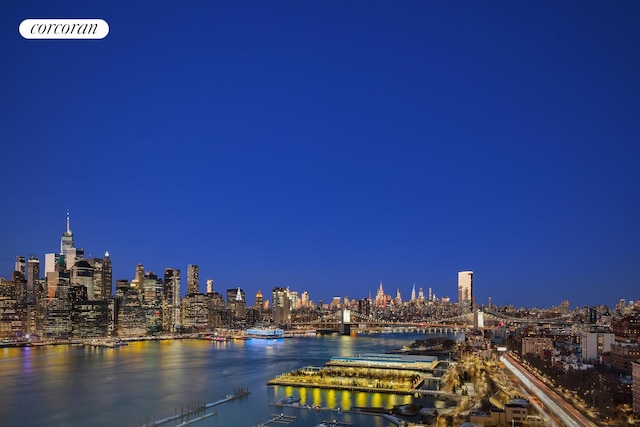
[[66, 242], [171, 303], [20, 265], [280, 306], [33, 275], [139, 278], [380, 297], [82, 276], [259, 301], [465, 288], [107, 276], [193, 272]]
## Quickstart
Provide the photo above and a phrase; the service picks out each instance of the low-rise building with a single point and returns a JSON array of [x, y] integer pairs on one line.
[[536, 345], [594, 344], [623, 354], [635, 387]]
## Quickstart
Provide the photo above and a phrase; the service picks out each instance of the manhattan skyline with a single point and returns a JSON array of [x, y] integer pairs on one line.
[[328, 147]]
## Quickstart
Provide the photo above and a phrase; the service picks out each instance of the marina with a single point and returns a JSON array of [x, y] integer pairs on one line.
[[197, 409]]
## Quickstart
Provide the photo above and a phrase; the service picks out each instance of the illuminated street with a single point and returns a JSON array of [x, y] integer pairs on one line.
[[556, 404]]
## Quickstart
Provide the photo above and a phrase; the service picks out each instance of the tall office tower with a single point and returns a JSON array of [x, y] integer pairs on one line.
[[33, 275], [151, 288], [107, 276], [280, 305], [71, 256], [240, 304], [490, 302], [66, 242], [465, 289], [305, 299], [294, 299], [98, 290], [193, 285], [430, 294], [51, 260], [380, 298], [421, 294], [413, 292], [139, 278], [335, 302], [82, 276], [20, 265], [209, 286], [259, 301], [171, 296], [398, 299]]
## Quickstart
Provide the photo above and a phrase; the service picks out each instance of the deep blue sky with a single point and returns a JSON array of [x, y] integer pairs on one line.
[[327, 146]]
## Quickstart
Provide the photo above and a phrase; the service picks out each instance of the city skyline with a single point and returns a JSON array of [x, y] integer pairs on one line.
[[327, 147], [193, 284]]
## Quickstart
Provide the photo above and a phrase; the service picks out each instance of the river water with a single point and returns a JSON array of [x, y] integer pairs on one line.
[[66, 385]]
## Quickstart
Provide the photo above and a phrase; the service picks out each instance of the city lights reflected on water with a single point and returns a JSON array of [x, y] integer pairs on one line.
[[150, 379], [331, 399], [317, 397], [345, 402]]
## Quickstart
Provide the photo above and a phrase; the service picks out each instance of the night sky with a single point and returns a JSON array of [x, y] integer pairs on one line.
[[329, 145]]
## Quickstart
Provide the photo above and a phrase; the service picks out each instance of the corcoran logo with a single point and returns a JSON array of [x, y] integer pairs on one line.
[[64, 29]]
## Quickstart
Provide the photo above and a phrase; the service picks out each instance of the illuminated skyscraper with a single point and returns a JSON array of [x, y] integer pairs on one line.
[[82, 276], [171, 300], [139, 278], [259, 301], [66, 242], [465, 289], [398, 299], [33, 276], [380, 297], [193, 272], [236, 302], [20, 266], [107, 276], [280, 306]]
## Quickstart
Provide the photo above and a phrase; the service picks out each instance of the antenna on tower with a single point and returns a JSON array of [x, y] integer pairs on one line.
[[68, 225]]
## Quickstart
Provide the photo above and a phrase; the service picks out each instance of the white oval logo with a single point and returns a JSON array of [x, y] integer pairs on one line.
[[64, 29]]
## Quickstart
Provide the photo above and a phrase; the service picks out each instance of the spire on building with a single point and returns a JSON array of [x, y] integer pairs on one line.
[[66, 242]]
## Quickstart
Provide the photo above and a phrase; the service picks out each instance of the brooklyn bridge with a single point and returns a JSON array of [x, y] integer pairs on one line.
[[349, 322]]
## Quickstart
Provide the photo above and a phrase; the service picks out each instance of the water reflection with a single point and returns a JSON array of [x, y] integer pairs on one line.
[[73, 385]]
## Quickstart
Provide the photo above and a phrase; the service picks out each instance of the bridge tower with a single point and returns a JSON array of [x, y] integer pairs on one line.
[[345, 322]]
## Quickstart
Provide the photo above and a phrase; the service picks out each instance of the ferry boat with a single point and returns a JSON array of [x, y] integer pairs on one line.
[[265, 333]]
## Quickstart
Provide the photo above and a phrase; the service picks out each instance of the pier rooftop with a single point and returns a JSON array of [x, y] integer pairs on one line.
[[387, 361], [386, 373]]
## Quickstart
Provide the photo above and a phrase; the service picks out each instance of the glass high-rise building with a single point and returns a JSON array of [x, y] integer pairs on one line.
[[465, 288], [193, 273]]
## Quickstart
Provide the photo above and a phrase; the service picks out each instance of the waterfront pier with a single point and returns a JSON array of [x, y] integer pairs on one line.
[[197, 409], [279, 419]]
